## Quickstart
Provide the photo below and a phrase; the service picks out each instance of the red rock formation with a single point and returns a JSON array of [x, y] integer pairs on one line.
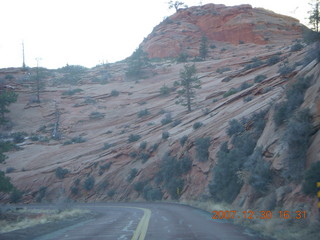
[[239, 24]]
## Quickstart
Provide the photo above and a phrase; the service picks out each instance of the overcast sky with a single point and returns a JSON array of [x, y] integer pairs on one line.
[[89, 32]]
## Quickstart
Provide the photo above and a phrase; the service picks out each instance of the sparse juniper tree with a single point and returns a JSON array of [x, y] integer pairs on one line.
[[38, 81], [314, 17], [203, 51], [176, 5], [6, 98], [189, 82], [136, 62]]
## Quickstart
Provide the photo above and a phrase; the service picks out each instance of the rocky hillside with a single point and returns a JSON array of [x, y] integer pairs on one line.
[[97, 136], [181, 32]]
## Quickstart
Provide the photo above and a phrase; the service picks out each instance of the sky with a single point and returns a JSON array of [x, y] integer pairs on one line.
[[91, 32]]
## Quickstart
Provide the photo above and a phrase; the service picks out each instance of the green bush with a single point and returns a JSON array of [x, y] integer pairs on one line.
[[78, 139], [144, 157], [286, 69], [138, 186], [143, 113], [74, 190], [183, 140], [297, 136], [256, 62], [41, 194], [114, 93], [230, 92], [18, 137], [132, 174], [311, 177], [164, 90], [88, 184], [143, 145], [259, 78], [96, 115], [202, 148], [61, 172], [10, 169], [248, 98], [235, 128], [165, 135], [176, 122], [167, 119], [111, 193], [133, 154], [71, 92], [133, 138], [106, 146], [15, 196], [296, 47], [295, 97], [273, 60], [151, 194], [197, 125], [244, 86], [182, 58], [223, 69], [174, 186]]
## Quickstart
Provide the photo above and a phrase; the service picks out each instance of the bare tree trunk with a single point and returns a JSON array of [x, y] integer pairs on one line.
[[55, 131]]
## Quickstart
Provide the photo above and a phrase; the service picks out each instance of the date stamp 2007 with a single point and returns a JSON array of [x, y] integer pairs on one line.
[[259, 214]]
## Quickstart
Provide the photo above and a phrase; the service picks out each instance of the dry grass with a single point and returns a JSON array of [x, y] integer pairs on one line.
[[280, 229], [31, 217]]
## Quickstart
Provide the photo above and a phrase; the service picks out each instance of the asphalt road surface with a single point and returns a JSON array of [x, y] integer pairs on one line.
[[149, 221]]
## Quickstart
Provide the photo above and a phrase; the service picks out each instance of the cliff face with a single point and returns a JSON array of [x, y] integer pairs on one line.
[[106, 120], [182, 32]]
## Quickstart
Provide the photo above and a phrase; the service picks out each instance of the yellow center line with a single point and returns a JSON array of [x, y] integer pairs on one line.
[[141, 231]]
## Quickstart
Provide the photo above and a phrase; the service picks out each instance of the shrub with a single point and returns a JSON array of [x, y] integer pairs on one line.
[[311, 177], [96, 115], [132, 174], [10, 170], [90, 100], [143, 113], [295, 97], [143, 145], [133, 138], [176, 122], [212, 46], [41, 194], [151, 194], [197, 125], [235, 128], [74, 190], [15, 196], [164, 90], [106, 146], [259, 78], [89, 183], [248, 98], [144, 157], [78, 139], [174, 186], [296, 47], [114, 93], [273, 60], [297, 136], [230, 92], [61, 172], [244, 86], [71, 92], [133, 154], [223, 69], [138, 186], [167, 119], [111, 193], [285, 70], [256, 62], [202, 148], [106, 166], [183, 57], [185, 164], [183, 140], [18, 137], [165, 135]]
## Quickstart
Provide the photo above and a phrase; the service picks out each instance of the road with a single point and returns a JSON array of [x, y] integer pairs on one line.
[[149, 221]]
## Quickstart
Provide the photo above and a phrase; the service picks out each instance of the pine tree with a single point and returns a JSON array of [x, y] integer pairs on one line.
[[6, 98], [314, 17], [137, 61], [189, 82], [203, 51]]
